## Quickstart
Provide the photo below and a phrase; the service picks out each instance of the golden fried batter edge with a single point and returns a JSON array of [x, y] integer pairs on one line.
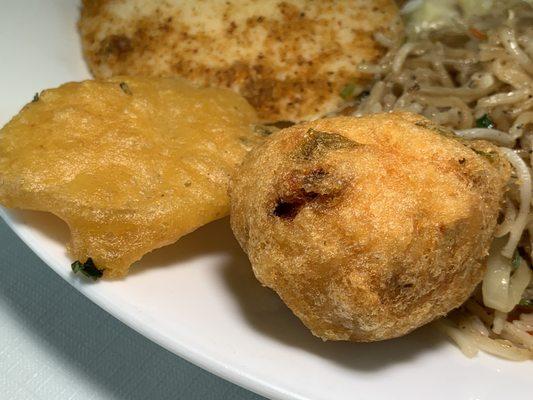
[[131, 164]]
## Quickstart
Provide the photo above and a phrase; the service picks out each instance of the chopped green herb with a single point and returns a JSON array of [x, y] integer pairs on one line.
[[125, 88], [484, 122], [485, 154], [526, 303], [35, 98], [348, 91], [87, 268], [516, 260], [318, 142]]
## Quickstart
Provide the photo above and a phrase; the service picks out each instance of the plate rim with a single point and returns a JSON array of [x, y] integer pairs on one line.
[[129, 318]]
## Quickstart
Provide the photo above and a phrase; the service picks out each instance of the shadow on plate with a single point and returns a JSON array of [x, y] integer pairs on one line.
[[267, 314], [54, 228], [212, 238], [68, 341], [260, 306]]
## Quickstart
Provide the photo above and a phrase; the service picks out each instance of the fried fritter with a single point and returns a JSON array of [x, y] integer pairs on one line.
[[290, 59], [368, 227], [131, 164]]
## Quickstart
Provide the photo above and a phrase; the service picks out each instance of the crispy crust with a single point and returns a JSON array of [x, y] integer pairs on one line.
[[131, 164], [289, 59], [368, 227]]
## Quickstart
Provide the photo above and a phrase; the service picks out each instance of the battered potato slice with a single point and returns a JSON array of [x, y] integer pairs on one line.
[[131, 164], [291, 59], [368, 227]]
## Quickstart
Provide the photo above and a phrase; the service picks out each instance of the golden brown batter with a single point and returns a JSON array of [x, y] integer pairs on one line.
[[368, 227]]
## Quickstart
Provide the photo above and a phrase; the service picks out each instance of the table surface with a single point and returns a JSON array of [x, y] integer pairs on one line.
[[56, 344]]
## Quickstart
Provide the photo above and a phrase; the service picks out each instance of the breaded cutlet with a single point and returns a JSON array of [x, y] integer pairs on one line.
[[290, 59]]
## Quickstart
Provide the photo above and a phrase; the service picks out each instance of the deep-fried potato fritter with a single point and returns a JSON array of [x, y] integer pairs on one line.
[[368, 227], [290, 59], [131, 164]]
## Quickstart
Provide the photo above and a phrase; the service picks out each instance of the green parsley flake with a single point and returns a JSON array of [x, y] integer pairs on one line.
[[87, 268], [516, 260], [484, 122], [526, 303], [348, 91], [125, 88]]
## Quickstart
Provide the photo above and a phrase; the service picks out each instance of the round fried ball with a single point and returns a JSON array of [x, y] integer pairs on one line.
[[368, 227], [131, 164]]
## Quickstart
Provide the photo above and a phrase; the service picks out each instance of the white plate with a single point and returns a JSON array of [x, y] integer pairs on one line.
[[198, 297]]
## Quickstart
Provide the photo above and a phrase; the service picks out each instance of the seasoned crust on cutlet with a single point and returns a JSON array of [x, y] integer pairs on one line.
[[290, 59]]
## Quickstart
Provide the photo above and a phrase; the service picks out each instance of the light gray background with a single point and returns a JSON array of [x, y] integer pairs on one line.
[[56, 344]]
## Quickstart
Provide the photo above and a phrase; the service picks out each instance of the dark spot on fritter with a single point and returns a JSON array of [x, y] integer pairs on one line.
[[316, 187], [116, 45], [397, 287], [289, 208], [316, 143], [282, 124], [125, 88]]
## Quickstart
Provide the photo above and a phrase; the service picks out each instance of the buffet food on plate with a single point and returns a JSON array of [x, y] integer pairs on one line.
[[131, 164], [289, 59], [375, 162], [369, 227]]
